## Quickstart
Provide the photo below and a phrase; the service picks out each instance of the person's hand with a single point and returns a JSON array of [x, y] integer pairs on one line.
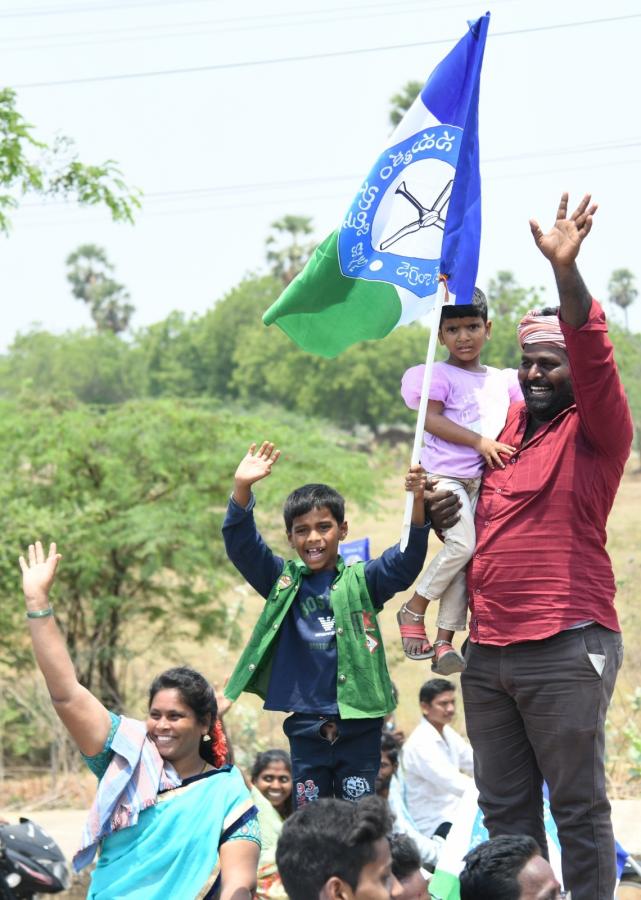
[[562, 243], [256, 464], [442, 507], [416, 481], [490, 450], [38, 575], [223, 703]]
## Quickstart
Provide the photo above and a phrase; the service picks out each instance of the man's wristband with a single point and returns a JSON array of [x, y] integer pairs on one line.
[[39, 613]]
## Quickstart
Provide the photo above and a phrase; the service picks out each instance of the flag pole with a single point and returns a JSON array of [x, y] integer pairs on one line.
[[441, 296]]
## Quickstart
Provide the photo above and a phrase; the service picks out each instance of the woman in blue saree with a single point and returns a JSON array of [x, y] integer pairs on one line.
[[170, 818]]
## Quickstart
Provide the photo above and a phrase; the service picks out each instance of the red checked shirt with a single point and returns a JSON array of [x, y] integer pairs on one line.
[[540, 564]]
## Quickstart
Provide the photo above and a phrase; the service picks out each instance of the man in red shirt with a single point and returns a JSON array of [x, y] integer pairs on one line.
[[544, 646]]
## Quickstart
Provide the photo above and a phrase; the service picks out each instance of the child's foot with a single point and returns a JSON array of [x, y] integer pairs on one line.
[[412, 627], [447, 660]]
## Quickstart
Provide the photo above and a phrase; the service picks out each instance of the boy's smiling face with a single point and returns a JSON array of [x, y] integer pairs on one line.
[[315, 536]]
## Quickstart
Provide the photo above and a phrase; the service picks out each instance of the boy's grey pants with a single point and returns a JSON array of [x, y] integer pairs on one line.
[[536, 710]]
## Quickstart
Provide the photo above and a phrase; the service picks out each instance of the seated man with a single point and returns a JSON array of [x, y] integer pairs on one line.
[[508, 868], [335, 850], [391, 787], [406, 868], [437, 761]]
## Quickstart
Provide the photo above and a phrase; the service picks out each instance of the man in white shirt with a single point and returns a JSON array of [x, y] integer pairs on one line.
[[391, 786], [437, 761]]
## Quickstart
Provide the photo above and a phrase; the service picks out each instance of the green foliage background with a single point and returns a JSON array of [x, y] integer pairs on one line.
[[123, 451]]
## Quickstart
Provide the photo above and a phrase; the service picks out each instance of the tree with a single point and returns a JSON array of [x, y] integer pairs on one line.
[[402, 101], [507, 302], [94, 367], [362, 386], [28, 165], [135, 495], [221, 330], [288, 259], [622, 291], [89, 274]]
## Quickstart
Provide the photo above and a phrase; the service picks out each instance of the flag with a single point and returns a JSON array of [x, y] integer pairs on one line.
[[354, 551], [416, 215], [467, 832]]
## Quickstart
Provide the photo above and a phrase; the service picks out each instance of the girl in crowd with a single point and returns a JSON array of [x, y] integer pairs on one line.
[[271, 777], [171, 820]]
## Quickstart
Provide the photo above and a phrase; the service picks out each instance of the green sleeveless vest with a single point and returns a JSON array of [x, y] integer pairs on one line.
[[363, 686]]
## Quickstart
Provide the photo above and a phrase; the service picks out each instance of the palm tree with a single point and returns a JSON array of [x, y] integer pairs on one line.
[[622, 291], [402, 101], [288, 259], [89, 274]]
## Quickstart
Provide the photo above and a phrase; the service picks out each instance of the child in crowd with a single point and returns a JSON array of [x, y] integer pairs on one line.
[[316, 651], [467, 408]]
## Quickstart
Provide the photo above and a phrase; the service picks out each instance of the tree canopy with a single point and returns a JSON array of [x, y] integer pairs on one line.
[[29, 165], [134, 496]]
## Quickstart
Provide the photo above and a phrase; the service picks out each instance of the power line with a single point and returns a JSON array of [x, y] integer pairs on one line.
[[284, 184], [190, 70], [260, 20], [94, 7], [316, 198], [200, 29]]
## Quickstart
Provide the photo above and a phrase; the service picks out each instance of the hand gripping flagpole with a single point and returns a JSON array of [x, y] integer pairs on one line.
[[441, 298]]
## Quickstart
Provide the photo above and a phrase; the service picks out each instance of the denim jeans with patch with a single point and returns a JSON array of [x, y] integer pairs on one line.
[[333, 757]]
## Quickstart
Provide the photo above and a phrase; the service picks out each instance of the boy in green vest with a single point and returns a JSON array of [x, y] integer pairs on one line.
[[317, 651]]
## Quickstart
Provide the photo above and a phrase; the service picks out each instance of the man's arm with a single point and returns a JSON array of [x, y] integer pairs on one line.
[[598, 391], [561, 247]]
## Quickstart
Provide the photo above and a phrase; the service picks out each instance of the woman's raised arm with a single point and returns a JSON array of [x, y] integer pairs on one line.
[[84, 716]]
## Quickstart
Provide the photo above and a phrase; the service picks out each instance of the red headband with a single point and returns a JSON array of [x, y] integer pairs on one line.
[[536, 328]]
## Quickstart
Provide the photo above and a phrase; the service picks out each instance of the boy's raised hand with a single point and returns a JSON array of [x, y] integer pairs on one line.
[[38, 574], [256, 464]]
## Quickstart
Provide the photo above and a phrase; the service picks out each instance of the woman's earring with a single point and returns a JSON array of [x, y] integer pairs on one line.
[[206, 737]]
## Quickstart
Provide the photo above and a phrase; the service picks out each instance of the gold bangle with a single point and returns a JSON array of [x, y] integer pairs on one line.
[[39, 613]]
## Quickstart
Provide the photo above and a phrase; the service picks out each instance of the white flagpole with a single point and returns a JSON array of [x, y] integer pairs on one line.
[[422, 409]]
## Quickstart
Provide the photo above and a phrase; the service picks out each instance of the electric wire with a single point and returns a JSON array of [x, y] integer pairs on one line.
[[332, 54], [278, 201], [291, 183]]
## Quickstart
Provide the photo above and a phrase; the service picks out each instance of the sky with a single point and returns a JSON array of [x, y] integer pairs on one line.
[[230, 115]]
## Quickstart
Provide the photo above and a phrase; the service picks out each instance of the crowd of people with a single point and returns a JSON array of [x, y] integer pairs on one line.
[[519, 480]]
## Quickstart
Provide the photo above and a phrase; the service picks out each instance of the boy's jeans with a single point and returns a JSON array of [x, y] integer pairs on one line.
[[342, 764], [444, 579]]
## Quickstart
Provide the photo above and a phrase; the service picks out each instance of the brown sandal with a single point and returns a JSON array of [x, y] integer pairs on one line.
[[447, 660], [417, 630]]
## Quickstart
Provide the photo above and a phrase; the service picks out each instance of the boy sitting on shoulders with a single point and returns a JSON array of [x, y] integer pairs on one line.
[[316, 650]]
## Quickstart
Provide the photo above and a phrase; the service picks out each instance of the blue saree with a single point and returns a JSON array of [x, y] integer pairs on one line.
[[172, 849]]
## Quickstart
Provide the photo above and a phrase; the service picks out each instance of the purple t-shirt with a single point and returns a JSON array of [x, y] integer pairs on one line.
[[477, 401]]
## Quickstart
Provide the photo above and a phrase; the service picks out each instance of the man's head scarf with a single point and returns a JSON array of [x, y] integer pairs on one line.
[[540, 327]]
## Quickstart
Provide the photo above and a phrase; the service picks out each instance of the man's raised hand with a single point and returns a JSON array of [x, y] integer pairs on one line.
[[562, 243]]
